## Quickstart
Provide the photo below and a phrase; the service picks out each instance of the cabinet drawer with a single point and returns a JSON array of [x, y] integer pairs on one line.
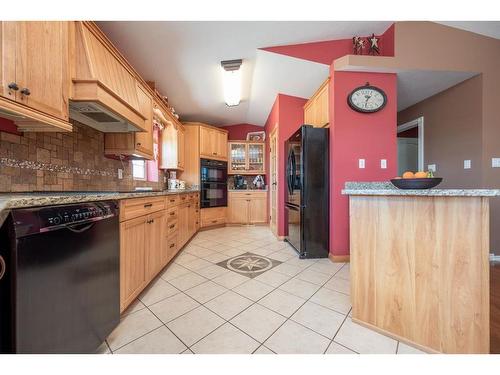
[[172, 214], [209, 222], [172, 200], [135, 207], [247, 194], [172, 246], [183, 198], [171, 228]]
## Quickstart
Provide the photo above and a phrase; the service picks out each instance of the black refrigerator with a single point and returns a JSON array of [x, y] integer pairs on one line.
[[307, 198]]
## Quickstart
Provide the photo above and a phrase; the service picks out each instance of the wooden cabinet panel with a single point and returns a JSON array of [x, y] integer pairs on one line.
[[181, 139], [213, 143], [191, 218], [144, 140], [221, 144], [155, 243], [8, 59], [132, 260], [257, 210], [183, 224], [212, 216], [172, 247], [172, 155], [42, 62], [237, 210], [316, 109]]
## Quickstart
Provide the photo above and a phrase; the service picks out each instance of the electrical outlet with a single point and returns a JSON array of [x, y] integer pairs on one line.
[[431, 168], [467, 164], [495, 162], [361, 163], [120, 173], [383, 163]]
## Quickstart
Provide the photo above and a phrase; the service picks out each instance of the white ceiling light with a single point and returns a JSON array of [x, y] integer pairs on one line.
[[232, 81]]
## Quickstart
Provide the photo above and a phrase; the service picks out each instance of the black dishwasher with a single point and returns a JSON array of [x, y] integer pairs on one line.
[[59, 278]]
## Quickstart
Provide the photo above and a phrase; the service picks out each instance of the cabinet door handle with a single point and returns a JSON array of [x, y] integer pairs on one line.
[[3, 267], [173, 225], [152, 220], [138, 143], [26, 91], [171, 246], [214, 221], [13, 86], [172, 213], [148, 205], [214, 153]]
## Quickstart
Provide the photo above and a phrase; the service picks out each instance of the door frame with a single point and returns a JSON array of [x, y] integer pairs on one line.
[[274, 133], [416, 123]]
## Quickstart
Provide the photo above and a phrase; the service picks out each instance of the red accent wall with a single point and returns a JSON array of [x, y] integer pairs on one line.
[[288, 114], [327, 51], [238, 132], [8, 126], [356, 136]]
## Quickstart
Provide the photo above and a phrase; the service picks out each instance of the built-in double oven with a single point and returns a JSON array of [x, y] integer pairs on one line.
[[213, 183]]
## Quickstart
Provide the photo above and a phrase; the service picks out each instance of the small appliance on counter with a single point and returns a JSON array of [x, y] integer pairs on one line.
[[239, 182], [174, 183], [258, 181]]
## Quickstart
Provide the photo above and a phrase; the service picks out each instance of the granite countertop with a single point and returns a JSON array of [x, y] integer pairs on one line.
[[386, 188], [9, 201]]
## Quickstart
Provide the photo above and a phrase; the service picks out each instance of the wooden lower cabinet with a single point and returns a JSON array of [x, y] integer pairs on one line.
[[149, 240], [132, 259], [212, 216], [247, 207]]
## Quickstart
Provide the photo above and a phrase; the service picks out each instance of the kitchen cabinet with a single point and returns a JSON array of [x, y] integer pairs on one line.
[[35, 80], [316, 109], [172, 155], [247, 158], [132, 259], [152, 231], [212, 216], [155, 243], [138, 144], [247, 207], [213, 143]]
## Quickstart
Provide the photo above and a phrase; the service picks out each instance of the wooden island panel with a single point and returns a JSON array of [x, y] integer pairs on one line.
[[420, 271]]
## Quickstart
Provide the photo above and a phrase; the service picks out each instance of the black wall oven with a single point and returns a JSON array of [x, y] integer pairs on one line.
[[213, 183]]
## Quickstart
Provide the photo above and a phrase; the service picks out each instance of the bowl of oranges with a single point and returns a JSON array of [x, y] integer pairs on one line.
[[418, 180]]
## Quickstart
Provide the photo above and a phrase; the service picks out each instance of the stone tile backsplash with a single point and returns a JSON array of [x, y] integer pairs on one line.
[[63, 162]]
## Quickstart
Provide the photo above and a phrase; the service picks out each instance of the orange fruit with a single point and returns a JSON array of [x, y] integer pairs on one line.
[[421, 175], [408, 174], [397, 178]]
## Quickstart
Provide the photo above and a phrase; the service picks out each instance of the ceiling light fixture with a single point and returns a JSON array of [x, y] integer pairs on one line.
[[232, 81]]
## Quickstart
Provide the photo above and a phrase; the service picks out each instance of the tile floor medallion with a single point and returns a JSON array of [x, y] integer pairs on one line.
[[249, 264], [239, 290]]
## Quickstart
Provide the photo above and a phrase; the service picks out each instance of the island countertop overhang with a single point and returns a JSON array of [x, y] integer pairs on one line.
[[387, 189]]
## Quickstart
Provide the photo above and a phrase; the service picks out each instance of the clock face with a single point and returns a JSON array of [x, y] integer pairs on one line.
[[367, 99]]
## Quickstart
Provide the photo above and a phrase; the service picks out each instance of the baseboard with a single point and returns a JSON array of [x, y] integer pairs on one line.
[[339, 258]]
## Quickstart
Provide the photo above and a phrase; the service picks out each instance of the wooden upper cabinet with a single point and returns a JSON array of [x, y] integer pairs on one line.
[[181, 147], [144, 140], [246, 158], [213, 143], [172, 150], [34, 62], [316, 109]]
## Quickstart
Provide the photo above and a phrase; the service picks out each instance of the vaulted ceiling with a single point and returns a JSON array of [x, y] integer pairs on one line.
[[184, 60]]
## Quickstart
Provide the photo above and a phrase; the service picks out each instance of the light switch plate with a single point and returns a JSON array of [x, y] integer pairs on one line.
[[120, 173], [467, 164], [495, 162], [361, 163], [432, 167], [383, 163]]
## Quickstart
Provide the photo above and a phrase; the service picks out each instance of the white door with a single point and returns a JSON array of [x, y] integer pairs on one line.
[[407, 155]]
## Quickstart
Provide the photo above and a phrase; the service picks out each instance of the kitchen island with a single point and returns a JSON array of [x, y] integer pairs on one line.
[[420, 265]]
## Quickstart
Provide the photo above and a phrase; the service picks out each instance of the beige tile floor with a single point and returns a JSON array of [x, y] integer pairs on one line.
[[196, 306]]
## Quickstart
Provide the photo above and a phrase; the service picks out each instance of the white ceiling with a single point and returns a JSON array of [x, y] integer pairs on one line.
[[184, 60], [488, 28]]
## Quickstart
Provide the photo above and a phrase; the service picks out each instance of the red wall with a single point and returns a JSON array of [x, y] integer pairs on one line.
[[356, 136], [238, 132], [288, 113], [327, 51]]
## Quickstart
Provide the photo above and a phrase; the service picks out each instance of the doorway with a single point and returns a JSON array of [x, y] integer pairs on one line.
[[411, 146], [273, 186]]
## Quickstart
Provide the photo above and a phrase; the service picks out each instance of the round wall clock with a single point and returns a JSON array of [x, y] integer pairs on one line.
[[367, 99]]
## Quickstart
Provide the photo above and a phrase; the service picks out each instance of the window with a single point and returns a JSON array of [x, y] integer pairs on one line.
[[139, 169]]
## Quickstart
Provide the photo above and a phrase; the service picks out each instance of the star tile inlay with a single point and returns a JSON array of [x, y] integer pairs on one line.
[[249, 264]]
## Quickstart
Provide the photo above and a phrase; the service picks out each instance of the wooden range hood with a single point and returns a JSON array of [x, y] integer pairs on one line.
[[102, 80]]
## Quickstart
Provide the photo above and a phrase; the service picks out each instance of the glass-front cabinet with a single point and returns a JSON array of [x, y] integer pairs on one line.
[[246, 158]]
